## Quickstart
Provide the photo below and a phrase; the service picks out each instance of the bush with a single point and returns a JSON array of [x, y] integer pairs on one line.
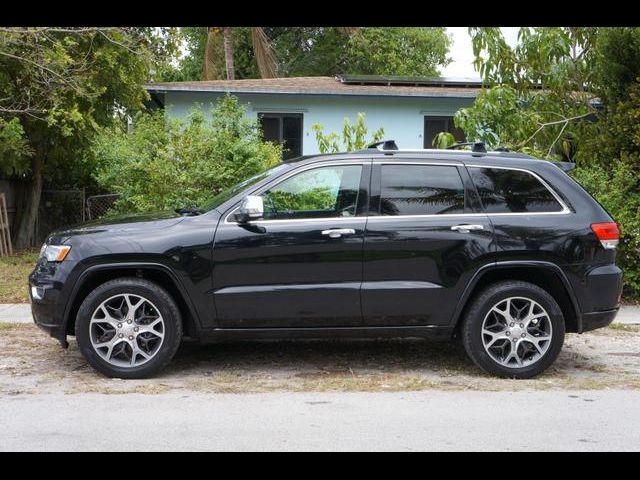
[[617, 188], [173, 163], [354, 136]]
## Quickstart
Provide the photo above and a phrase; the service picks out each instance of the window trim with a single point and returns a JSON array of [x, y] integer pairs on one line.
[[362, 163], [374, 217], [565, 209]]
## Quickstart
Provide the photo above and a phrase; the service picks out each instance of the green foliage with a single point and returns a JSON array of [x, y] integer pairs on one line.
[[318, 198], [14, 148], [172, 163], [540, 92], [617, 188], [443, 140], [409, 51], [617, 63], [312, 51], [62, 84], [354, 136]]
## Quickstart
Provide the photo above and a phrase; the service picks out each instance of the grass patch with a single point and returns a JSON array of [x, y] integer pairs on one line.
[[624, 327], [8, 326], [14, 272]]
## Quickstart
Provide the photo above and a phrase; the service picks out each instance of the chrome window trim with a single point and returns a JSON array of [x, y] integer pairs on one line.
[[443, 164], [565, 208], [284, 177]]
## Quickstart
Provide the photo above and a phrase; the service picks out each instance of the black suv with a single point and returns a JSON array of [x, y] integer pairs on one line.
[[504, 251]]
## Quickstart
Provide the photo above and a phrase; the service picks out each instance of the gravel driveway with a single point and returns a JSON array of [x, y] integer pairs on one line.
[[33, 363]]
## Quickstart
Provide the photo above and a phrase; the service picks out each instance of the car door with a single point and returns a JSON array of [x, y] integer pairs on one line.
[[301, 264], [424, 239]]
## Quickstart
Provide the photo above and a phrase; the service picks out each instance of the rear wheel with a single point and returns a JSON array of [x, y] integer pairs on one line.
[[513, 329], [128, 328]]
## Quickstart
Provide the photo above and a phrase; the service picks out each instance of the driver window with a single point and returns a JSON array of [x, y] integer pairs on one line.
[[330, 191]]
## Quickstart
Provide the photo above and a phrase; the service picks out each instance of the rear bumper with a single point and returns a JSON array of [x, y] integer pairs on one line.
[[593, 320], [600, 301]]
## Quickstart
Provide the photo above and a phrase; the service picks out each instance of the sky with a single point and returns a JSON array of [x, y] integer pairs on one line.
[[462, 53]]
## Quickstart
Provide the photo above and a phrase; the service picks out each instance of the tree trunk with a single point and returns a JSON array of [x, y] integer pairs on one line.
[[228, 52], [25, 233]]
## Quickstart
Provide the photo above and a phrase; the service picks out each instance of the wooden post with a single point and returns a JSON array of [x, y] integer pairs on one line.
[[5, 233]]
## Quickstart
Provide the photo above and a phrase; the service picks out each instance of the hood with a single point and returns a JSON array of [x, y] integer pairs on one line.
[[119, 223]]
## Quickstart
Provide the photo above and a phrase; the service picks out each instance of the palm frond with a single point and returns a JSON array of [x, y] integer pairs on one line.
[[209, 66], [264, 53]]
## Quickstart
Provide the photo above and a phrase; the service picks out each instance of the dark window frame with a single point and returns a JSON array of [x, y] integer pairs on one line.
[[280, 116]]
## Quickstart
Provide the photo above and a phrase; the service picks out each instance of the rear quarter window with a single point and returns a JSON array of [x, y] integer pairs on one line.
[[512, 191]]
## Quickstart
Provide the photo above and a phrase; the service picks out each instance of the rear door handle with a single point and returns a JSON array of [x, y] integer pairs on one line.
[[338, 232], [466, 228]]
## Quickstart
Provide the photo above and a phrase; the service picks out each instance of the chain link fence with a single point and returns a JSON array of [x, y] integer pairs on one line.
[[98, 205]]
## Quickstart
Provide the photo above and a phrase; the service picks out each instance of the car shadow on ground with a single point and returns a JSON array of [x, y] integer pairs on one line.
[[338, 355]]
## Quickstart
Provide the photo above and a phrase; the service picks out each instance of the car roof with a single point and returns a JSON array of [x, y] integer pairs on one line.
[[466, 157]]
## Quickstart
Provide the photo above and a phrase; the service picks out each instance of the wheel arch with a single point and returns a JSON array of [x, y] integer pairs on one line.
[[158, 273], [546, 275]]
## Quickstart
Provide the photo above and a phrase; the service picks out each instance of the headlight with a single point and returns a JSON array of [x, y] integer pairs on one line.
[[54, 253]]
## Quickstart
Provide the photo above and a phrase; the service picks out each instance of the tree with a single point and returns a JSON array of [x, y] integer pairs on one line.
[[58, 86], [262, 52], [174, 163], [405, 51], [313, 51], [540, 92]]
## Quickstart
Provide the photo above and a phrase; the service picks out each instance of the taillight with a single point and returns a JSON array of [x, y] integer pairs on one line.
[[607, 233]]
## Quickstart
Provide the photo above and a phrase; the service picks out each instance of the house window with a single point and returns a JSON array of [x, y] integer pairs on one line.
[[435, 125], [285, 129]]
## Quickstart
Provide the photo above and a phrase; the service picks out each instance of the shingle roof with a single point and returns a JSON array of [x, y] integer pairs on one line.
[[314, 86]]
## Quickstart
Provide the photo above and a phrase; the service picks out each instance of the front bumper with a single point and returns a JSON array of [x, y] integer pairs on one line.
[[46, 308]]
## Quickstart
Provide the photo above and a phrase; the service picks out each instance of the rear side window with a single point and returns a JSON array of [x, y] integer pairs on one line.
[[512, 191], [420, 190]]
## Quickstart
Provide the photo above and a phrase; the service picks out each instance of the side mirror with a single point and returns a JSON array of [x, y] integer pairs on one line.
[[252, 209]]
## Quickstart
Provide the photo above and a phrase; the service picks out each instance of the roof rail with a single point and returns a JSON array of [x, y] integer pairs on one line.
[[476, 147], [386, 145]]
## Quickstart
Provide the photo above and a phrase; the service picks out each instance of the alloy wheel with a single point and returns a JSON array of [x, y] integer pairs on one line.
[[516, 332], [127, 330]]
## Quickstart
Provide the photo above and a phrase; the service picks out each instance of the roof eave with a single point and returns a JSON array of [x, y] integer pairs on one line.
[[205, 89]]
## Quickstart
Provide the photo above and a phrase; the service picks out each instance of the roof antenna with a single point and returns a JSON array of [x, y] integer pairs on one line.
[[386, 145]]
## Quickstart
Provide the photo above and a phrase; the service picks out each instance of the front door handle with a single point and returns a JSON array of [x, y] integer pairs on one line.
[[466, 228], [338, 232]]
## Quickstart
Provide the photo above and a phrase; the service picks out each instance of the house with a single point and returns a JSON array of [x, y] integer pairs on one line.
[[411, 110]]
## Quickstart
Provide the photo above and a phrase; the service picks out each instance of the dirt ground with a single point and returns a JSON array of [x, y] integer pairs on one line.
[[31, 362]]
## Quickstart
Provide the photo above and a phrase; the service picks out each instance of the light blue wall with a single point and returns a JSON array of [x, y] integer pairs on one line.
[[401, 117]]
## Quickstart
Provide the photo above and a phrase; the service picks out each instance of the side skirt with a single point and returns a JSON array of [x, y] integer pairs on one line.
[[230, 334]]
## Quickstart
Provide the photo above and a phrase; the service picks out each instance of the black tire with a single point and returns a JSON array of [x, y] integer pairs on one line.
[[135, 286], [480, 307]]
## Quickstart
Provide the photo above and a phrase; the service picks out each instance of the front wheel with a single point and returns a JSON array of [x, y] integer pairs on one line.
[[513, 329], [128, 328]]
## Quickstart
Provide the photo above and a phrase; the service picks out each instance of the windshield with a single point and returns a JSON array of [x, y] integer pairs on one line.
[[225, 195]]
